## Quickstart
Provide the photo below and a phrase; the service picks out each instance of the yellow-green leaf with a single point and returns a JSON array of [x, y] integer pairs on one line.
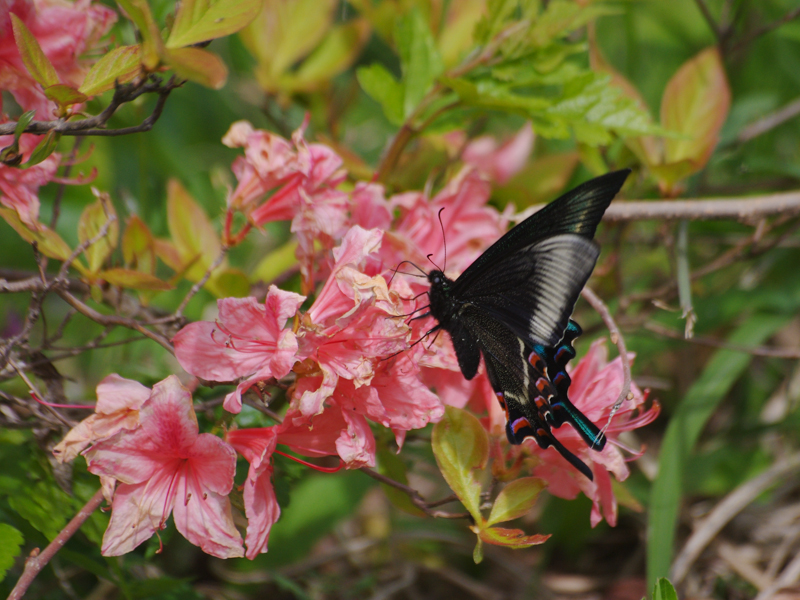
[[48, 241], [515, 500], [461, 446], [228, 282], [138, 247], [511, 538], [276, 263], [198, 65], [127, 278], [200, 20], [93, 219], [64, 95], [38, 65], [152, 44], [695, 104], [121, 65], [168, 252], [194, 237]]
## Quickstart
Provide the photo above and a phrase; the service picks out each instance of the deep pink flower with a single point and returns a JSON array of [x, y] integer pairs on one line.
[[19, 188], [595, 387], [166, 467], [500, 162], [333, 432], [249, 340], [64, 30], [118, 404]]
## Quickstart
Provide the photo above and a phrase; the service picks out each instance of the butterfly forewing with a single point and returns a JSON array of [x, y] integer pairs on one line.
[[512, 305]]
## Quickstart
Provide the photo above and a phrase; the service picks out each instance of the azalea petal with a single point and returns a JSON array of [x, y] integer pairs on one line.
[[356, 444], [115, 393], [130, 457], [262, 510], [169, 418], [204, 517], [213, 463]]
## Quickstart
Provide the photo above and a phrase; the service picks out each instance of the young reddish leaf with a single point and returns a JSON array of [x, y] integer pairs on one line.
[[38, 65], [515, 500], [695, 104], [201, 21], [48, 241], [166, 251], [64, 95], [120, 65], [461, 446], [198, 65], [195, 239], [93, 219], [44, 148], [138, 247], [511, 538], [127, 278]]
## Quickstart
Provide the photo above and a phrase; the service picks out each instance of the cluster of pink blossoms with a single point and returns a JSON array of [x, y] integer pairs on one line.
[[64, 31], [348, 359]]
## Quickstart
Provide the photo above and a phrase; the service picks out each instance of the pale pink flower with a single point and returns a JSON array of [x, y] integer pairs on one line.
[[166, 467], [248, 341], [118, 404], [500, 162], [19, 188], [64, 30], [352, 323], [595, 387], [369, 207]]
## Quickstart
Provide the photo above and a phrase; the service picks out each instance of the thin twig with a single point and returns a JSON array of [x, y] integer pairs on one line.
[[769, 122], [714, 343], [414, 496], [196, 287], [758, 32], [81, 248], [725, 511], [62, 187], [37, 561], [616, 338], [708, 17]]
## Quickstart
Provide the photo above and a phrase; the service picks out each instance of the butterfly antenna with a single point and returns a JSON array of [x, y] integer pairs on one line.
[[427, 333], [444, 238], [396, 270]]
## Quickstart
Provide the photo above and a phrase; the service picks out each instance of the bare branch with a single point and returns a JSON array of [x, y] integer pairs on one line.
[[415, 497], [765, 124], [196, 287], [759, 31], [36, 561]]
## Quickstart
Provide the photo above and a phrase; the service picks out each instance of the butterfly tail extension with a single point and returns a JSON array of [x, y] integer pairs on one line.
[[564, 411], [519, 428]]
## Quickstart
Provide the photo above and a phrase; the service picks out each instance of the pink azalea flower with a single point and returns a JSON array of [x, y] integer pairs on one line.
[[500, 163], [166, 467], [19, 188], [249, 341], [117, 409], [64, 30], [334, 432], [595, 387]]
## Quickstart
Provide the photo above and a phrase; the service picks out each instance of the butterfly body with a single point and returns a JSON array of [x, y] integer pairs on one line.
[[512, 307]]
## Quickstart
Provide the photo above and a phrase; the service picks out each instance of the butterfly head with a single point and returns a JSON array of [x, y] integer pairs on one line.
[[441, 303]]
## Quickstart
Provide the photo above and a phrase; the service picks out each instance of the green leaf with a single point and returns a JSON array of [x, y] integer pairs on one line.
[[277, 262], [689, 420], [419, 59], [511, 538], [48, 241], [10, 155], [198, 65], [38, 65], [136, 280], [229, 283], [461, 446], [199, 20], [11, 541], [45, 506], [138, 246], [384, 89], [44, 148], [121, 65], [152, 44], [194, 237], [696, 103], [663, 590], [93, 219], [515, 500]]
